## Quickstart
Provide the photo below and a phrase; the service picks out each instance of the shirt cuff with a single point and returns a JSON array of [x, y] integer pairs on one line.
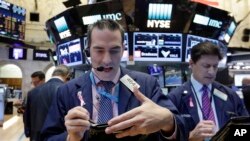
[[173, 136]]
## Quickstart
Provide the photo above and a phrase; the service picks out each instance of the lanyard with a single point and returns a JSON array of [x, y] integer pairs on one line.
[[102, 92], [205, 117]]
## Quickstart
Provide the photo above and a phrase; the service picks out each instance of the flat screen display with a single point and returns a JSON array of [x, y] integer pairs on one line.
[[5, 19], [18, 22], [12, 20], [126, 50], [41, 55], [161, 15], [193, 40], [225, 36], [103, 10], [208, 21], [62, 27], [173, 76], [150, 46], [238, 78], [70, 53], [157, 71], [17, 53]]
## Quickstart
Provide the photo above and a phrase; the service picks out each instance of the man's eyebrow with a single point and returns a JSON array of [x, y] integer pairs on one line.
[[98, 47]]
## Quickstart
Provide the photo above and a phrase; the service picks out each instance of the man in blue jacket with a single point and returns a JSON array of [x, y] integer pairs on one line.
[[39, 100], [139, 113], [205, 104]]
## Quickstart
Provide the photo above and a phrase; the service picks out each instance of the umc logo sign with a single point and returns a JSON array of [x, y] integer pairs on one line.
[[93, 18], [159, 15]]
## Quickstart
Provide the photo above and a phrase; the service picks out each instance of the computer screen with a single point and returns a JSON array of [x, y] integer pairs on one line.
[[18, 53], [153, 46], [102, 10], [173, 75], [126, 50], [238, 78], [18, 22], [161, 15], [70, 53], [208, 21], [12, 20], [157, 71], [193, 40], [225, 36], [41, 55], [62, 27]]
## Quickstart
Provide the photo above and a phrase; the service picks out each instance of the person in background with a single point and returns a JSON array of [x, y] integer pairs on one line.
[[37, 78], [39, 100], [206, 105], [99, 97], [246, 92]]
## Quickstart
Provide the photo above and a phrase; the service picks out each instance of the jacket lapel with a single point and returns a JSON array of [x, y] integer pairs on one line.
[[219, 106], [84, 85], [190, 102], [124, 93]]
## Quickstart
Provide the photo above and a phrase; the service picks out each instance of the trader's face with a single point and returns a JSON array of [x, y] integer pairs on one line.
[[205, 69], [35, 81], [106, 50]]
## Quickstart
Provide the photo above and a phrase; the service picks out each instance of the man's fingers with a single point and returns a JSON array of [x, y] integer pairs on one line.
[[142, 98]]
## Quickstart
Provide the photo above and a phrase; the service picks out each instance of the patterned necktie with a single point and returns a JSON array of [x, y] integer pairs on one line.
[[207, 110], [105, 106]]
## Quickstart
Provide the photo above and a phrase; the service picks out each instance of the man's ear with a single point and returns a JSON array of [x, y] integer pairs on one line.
[[191, 62]]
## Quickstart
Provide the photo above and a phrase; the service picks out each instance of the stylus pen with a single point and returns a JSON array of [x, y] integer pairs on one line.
[[82, 104]]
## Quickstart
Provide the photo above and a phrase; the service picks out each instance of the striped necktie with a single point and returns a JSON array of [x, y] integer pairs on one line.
[[105, 112], [207, 109]]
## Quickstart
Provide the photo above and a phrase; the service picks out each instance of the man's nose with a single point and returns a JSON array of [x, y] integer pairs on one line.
[[107, 58]]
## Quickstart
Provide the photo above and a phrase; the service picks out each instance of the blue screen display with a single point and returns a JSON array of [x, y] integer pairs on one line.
[[70, 53], [150, 46], [193, 40]]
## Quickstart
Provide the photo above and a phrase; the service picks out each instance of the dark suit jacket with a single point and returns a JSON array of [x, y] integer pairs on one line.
[[183, 96], [54, 128], [38, 103], [246, 95]]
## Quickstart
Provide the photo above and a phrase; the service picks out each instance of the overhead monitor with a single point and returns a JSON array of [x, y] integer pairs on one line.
[[18, 22], [102, 10], [193, 40], [208, 21], [12, 20], [5, 19], [161, 15], [70, 53], [238, 78], [126, 50], [225, 36], [18, 53], [41, 55], [173, 76], [62, 27], [152, 46]]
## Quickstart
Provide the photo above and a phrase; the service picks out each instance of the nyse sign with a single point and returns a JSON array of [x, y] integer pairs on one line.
[[158, 23], [159, 15]]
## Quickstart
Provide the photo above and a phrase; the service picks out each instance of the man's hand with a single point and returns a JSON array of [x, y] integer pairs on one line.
[[77, 122], [145, 119], [204, 129]]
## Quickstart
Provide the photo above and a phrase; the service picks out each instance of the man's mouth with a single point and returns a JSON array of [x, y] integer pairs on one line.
[[107, 69]]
